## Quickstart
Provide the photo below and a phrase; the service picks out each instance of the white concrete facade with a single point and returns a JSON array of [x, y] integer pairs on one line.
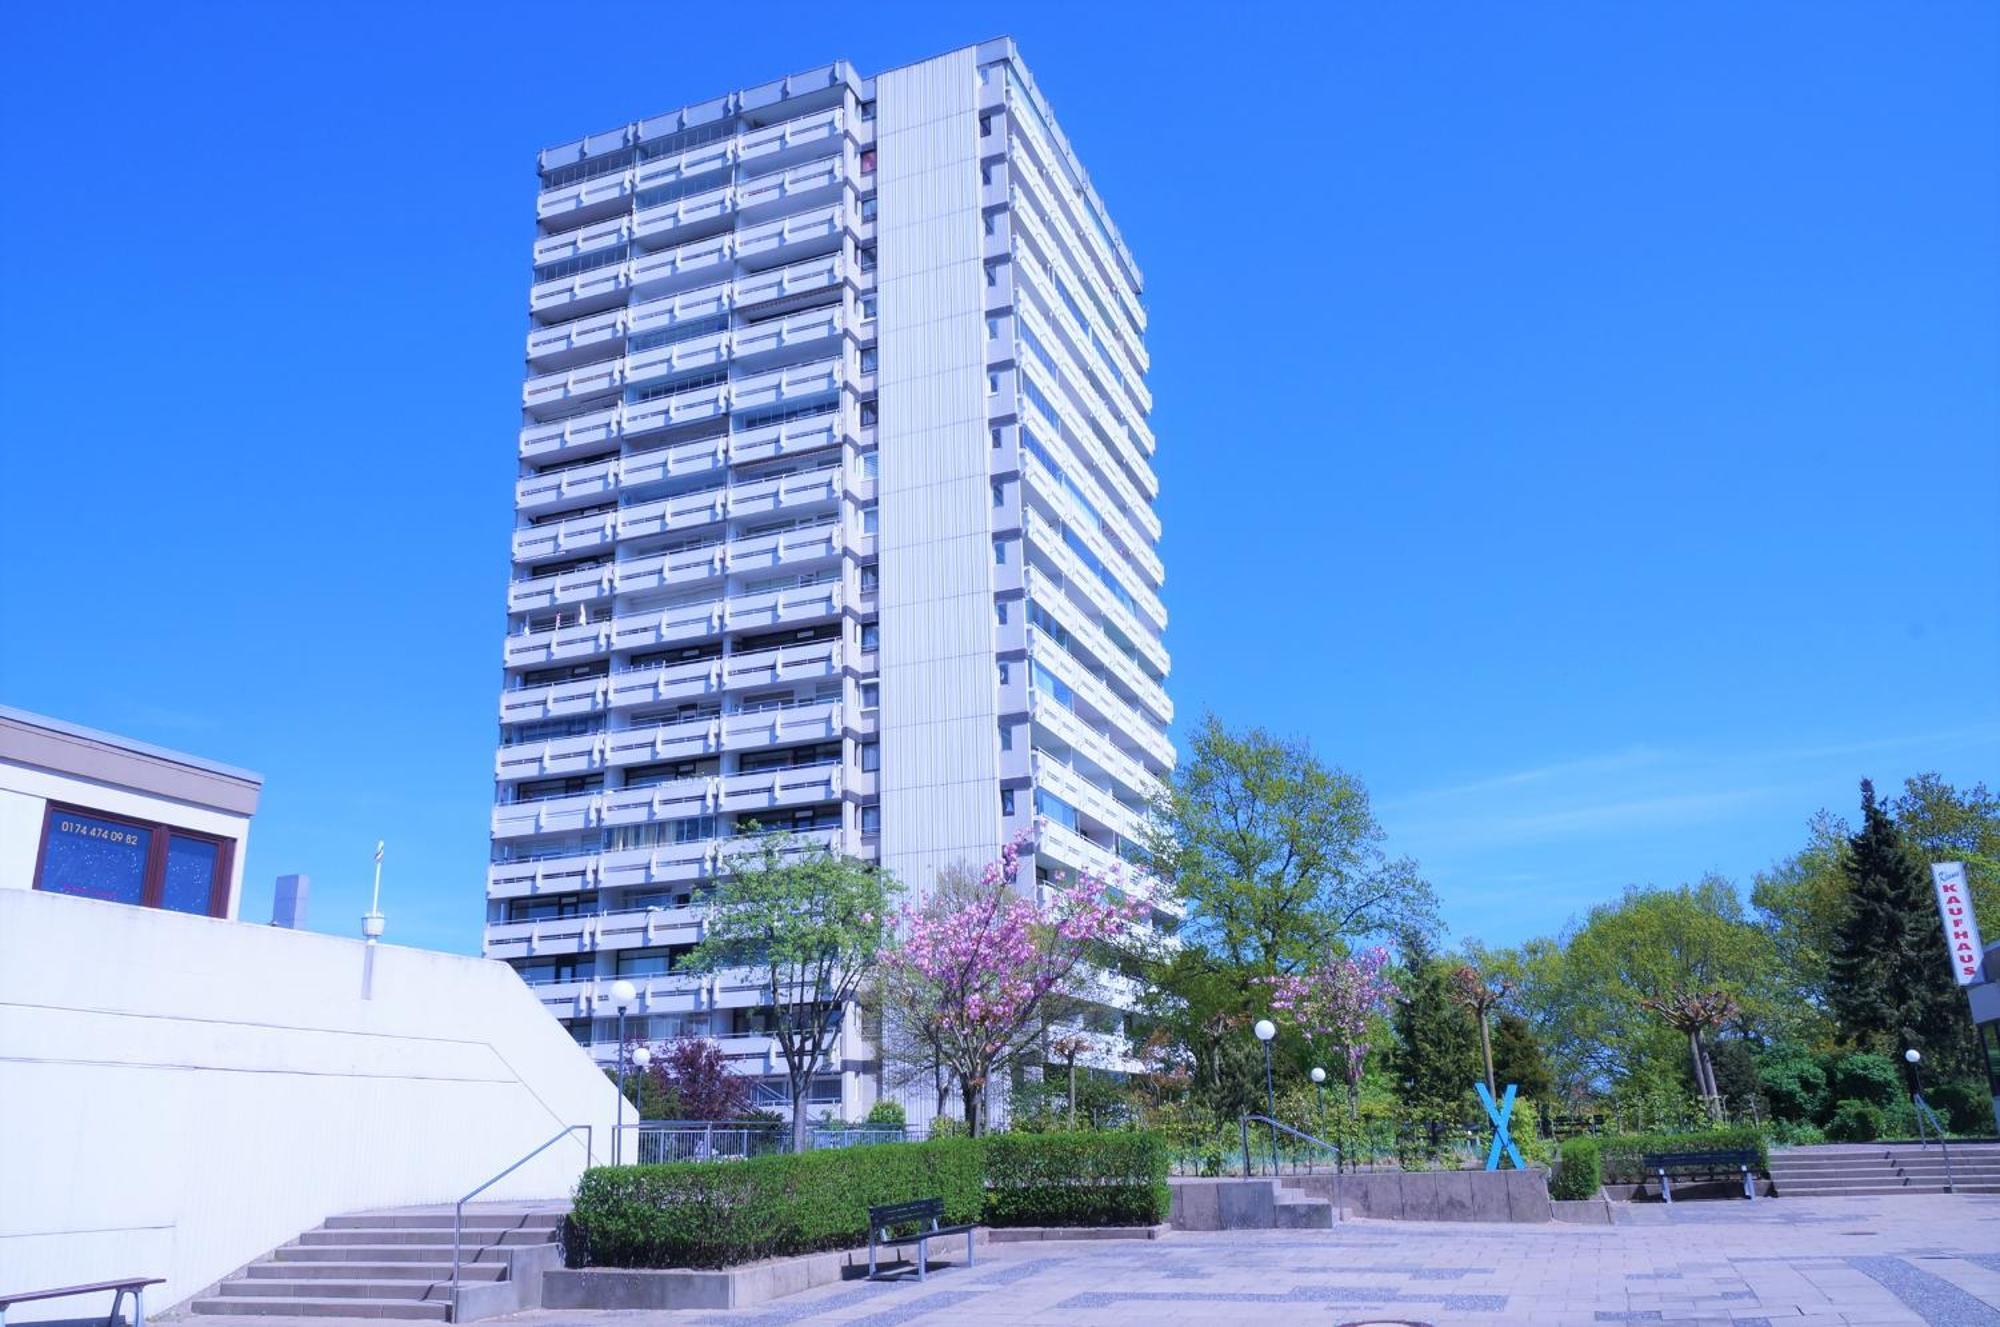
[[834, 514], [200, 1090]]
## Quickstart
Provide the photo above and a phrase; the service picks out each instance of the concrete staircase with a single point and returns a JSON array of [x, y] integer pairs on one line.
[[1294, 1209], [1843, 1170], [397, 1264]]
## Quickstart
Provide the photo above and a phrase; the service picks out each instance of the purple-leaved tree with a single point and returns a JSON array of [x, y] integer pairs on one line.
[[1332, 1002]]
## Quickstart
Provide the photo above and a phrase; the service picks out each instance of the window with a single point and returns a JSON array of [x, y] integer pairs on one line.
[[991, 221], [866, 110], [871, 636], [999, 552], [986, 172], [1006, 737], [866, 254], [868, 161], [999, 495], [871, 757], [870, 416], [993, 274], [137, 862], [871, 464], [1006, 673], [995, 435], [1006, 801], [868, 208], [868, 306], [871, 357], [1000, 611], [871, 695], [986, 125], [871, 578], [992, 382], [871, 820], [871, 520]]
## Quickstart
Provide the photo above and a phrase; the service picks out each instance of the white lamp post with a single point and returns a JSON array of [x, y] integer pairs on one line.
[[1319, 1095], [623, 993], [1266, 1030]]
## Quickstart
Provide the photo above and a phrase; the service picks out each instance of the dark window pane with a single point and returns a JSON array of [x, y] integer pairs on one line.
[[190, 875], [94, 858]]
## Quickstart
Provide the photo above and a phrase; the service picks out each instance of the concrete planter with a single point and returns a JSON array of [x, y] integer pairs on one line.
[[728, 1287], [1030, 1234]]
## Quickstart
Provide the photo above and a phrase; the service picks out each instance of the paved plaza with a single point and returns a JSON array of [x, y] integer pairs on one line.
[[1804, 1262]]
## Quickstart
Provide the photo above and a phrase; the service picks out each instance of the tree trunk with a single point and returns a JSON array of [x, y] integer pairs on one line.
[[1694, 1061], [798, 1117], [968, 1093], [1072, 1096], [1486, 1052]]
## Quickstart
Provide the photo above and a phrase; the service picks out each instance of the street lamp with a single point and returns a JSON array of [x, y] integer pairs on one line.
[[1266, 1030], [1319, 1095], [623, 993]]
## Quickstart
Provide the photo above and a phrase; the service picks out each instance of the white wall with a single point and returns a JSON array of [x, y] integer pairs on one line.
[[179, 1094], [940, 705], [25, 794]]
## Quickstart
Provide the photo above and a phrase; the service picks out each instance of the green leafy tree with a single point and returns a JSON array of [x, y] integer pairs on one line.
[[1890, 982], [1518, 1058], [1946, 825], [809, 923], [1276, 854], [1436, 1060], [1799, 904]]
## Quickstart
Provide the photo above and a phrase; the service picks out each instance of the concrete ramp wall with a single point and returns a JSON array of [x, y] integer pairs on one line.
[[179, 1094]]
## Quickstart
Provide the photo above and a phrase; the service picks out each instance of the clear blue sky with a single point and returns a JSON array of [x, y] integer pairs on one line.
[[1581, 421]]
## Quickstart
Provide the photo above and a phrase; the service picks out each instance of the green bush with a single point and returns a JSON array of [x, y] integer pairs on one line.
[[888, 1113], [1580, 1172], [1076, 1179], [1865, 1077], [1793, 1082], [1801, 1133], [944, 1126], [1967, 1108], [1625, 1154], [1855, 1122], [715, 1214]]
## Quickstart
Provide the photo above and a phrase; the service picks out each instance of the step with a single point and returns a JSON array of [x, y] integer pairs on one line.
[[424, 1235], [1302, 1214], [435, 1310], [382, 1271], [442, 1221], [408, 1253], [309, 1288]]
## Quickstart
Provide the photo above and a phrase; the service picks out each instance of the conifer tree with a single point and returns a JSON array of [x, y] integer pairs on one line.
[[1889, 975], [1437, 1056]]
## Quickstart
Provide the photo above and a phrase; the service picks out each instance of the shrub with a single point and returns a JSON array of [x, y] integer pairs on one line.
[[888, 1113], [1966, 1107], [1580, 1171], [1793, 1082], [1855, 1122], [944, 1126], [1866, 1077], [1800, 1133], [1625, 1154], [1076, 1179], [714, 1214]]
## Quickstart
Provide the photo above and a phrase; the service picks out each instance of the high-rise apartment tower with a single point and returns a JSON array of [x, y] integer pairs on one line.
[[835, 515]]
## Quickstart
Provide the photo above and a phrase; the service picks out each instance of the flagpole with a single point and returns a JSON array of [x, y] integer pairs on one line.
[[371, 929]]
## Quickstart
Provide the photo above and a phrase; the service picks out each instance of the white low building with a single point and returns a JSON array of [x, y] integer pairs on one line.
[[180, 1091]]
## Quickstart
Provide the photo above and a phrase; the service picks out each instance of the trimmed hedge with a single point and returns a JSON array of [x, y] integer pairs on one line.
[[719, 1213], [1580, 1173], [1625, 1154], [1076, 1179]]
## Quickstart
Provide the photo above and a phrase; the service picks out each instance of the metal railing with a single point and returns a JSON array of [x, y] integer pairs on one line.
[[1339, 1213], [659, 1141], [1926, 1115], [458, 1211]]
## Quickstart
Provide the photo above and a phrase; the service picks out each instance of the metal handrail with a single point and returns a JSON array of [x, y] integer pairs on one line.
[[458, 1212], [1924, 1112], [1339, 1210]]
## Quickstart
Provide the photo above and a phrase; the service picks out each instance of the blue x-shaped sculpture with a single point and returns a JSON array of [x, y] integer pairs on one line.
[[1499, 1115]]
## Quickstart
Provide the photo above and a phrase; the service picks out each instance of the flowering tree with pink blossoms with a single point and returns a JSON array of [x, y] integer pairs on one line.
[[1332, 1003], [982, 962]]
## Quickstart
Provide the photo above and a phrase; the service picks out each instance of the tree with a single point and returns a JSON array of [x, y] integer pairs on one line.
[[1589, 996], [1518, 1058], [1437, 1052], [1276, 855], [985, 962], [1799, 904], [1890, 982], [1480, 995], [697, 1073], [811, 923], [1334, 1004], [1946, 825]]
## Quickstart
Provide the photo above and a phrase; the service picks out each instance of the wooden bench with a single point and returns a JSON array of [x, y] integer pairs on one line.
[[1704, 1163], [925, 1214], [134, 1286]]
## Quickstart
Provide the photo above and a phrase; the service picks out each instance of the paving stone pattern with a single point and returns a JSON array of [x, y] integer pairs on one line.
[[1930, 1261]]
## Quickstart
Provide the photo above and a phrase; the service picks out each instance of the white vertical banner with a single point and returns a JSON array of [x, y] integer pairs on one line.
[[1961, 928]]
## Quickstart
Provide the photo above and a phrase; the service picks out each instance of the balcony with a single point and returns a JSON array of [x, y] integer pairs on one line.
[[1048, 594], [1079, 435], [1140, 729], [689, 407], [576, 338], [688, 264], [695, 162], [790, 438], [779, 788], [634, 928], [814, 181], [1087, 797], [791, 138], [557, 701], [818, 721], [1071, 729], [669, 863], [659, 225], [784, 236], [1060, 848], [800, 278], [800, 330], [606, 192], [570, 587], [793, 383], [1056, 495], [601, 479], [1084, 586], [700, 352], [1111, 512]]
